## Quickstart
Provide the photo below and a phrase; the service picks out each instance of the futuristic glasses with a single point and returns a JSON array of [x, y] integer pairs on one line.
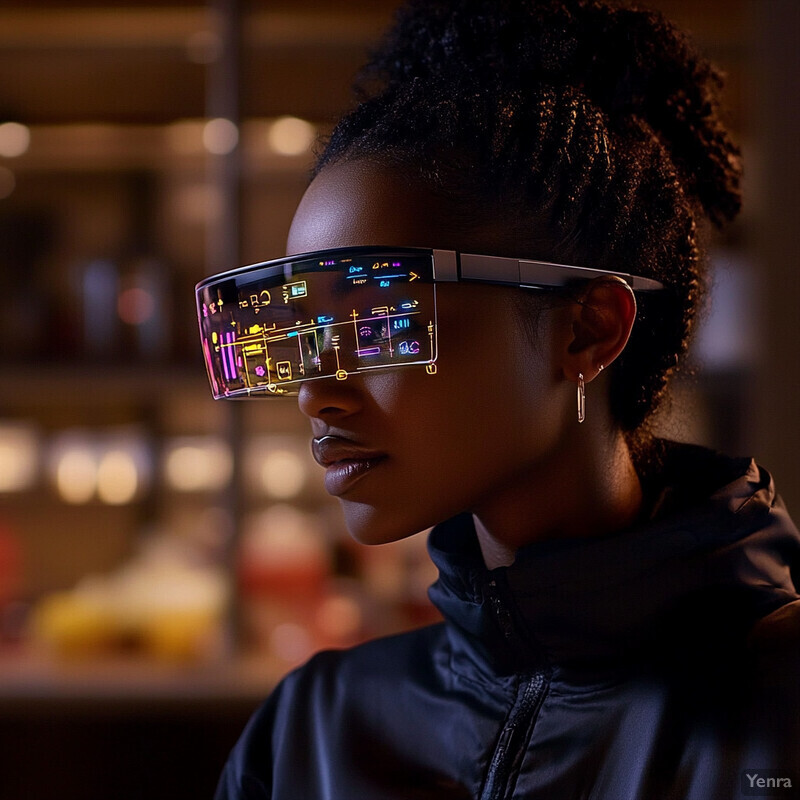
[[266, 328]]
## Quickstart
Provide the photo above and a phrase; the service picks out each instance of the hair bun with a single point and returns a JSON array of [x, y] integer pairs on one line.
[[631, 64]]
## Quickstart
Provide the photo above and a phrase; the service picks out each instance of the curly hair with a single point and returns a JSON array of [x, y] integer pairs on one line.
[[595, 124]]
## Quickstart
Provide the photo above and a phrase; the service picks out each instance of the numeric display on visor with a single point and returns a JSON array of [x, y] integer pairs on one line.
[[267, 328]]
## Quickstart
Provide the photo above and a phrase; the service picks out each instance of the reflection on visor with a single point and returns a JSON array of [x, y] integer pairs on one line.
[[266, 328]]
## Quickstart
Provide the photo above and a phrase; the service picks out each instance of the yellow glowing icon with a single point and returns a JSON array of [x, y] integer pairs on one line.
[[341, 375], [430, 369], [284, 370], [412, 276]]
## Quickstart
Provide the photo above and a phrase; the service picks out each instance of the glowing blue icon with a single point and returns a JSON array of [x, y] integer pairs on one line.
[[385, 283], [408, 348], [323, 319], [401, 324], [354, 270]]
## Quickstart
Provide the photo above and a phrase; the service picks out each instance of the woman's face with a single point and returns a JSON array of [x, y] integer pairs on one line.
[[416, 449]]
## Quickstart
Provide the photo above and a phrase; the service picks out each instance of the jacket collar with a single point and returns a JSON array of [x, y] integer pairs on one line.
[[714, 558]]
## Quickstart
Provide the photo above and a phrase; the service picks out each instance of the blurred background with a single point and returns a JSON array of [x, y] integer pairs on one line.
[[164, 559]]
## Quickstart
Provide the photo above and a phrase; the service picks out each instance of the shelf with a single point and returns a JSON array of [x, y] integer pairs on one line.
[[26, 677], [91, 383]]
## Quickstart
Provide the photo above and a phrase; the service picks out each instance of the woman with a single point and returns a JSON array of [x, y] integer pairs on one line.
[[620, 616]]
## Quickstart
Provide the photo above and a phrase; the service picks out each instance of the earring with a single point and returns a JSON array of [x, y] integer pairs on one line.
[[581, 398]]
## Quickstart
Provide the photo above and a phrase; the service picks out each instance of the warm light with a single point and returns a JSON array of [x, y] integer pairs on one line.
[[291, 643], [19, 457], [220, 136], [185, 137], [117, 478], [14, 139], [283, 474], [291, 136], [198, 464], [76, 474], [339, 617], [8, 182]]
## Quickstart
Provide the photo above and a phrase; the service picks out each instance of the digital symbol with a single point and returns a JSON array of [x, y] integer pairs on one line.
[[341, 375], [365, 332], [369, 351], [409, 304], [412, 276], [430, 369], [408, 348], [323, 319], [260, 371], [384, 284], [379, 310], [401, 324], [356, 270], [284, 369], [228, 362], [294, 290]]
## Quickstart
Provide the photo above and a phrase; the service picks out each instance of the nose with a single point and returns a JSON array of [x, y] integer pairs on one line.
[[330, 399]]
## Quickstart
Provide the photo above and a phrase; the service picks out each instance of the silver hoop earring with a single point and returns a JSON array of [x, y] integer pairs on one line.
[[581, 398]]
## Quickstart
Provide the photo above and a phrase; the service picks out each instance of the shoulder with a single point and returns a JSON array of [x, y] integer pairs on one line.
[[317, 709], [326, 684]]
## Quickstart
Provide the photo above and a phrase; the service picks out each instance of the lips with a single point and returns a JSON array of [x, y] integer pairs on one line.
[[345, 462]]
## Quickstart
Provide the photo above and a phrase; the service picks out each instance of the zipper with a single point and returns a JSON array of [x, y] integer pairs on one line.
[[513, 739]]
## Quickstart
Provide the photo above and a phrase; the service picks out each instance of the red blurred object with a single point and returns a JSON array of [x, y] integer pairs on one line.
[[10, 565]]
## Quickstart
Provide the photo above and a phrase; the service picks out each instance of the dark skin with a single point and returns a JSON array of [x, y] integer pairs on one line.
[[495, 432]]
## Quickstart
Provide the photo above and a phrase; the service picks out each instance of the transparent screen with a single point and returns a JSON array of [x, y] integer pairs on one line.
[[267, 328]]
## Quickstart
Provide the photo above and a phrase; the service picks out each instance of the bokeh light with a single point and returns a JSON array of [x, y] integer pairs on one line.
[[198, 464], [291, 136], [15, 139], [220, 136]]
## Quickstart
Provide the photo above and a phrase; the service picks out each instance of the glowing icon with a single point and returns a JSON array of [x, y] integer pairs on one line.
[[341, 375], [408, 348], [291, 291], [409, 304], [430, 369], [412, 276], [365, 332], [323, 319], [284, 369], [384, 284], [401, 324], [260, 371]]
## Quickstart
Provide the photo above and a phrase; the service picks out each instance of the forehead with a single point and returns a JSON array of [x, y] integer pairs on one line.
[[362, 203]]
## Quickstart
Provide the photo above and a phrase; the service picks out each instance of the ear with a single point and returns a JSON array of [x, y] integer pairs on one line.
[[601, 325]]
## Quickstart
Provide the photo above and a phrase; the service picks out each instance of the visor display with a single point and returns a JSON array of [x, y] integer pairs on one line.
[[268, 327]]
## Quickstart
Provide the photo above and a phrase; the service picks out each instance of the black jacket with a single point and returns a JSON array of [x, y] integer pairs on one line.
[[660, 662]]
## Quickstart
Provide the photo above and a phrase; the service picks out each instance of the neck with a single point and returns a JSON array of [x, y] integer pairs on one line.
[[587, 489]]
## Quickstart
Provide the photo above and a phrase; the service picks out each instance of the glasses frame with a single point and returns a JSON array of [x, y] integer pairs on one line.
[[447, 266]]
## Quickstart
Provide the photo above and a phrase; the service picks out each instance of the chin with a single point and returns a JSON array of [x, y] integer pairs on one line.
[[369, 525]]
